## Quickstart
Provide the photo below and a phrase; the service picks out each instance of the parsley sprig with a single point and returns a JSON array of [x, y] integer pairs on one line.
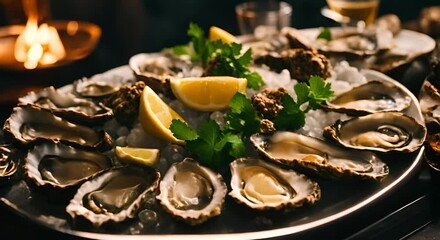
[[218, 58], [215, 147]]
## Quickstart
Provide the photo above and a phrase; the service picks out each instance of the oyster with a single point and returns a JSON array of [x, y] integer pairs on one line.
[[263, 186], [318, 157], [156, 69], [373, 96], [114, 195], [387, 131], [30, 124], [191, 192], [68, 106], [9, 162], [57, 166], [104, 84]]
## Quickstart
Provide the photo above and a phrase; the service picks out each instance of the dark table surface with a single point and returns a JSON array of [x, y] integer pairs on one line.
[[412, 213]]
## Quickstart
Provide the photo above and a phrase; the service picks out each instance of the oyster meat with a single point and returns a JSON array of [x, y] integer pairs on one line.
[[56, 166], [156, 69], [373, 96], [191, 192], [115, 195], [30, 124], [383, 132], [263, 186], [315, 156], [68, 106]]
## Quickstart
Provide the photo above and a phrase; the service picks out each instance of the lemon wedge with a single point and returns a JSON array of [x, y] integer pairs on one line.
[[216, 33], [155, 116], [143, 156], [207, 93]]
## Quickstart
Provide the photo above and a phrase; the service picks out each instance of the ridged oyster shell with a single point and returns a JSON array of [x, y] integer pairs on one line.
[[56, 166], [266, 186], [104, 84], [191, 192], [68, 106], [30, 124], [156, 69], [373, 96], [315, 156], [115, 195], [9, 163], [383, 132]]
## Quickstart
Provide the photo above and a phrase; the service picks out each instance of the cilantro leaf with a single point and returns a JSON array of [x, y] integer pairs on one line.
[[325, 33], [182, 131], [302, 93], [255, 81], [209, 132], [291, 117], [242, 118], [319, 89]]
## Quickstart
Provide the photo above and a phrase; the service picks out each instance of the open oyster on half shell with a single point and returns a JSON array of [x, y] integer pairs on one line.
[[315, 156], [191, 192], [68, 106], [30, 124], [383, 132], [61, 169], [156, 69], [115, 195], [264, 186], [372, 96]]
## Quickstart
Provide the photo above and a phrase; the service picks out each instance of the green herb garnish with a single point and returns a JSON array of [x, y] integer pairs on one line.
[[325, 33], [218, 58], [292, 116], [212, 146]]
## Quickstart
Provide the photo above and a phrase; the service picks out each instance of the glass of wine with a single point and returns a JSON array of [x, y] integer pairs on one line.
[[356, 10]]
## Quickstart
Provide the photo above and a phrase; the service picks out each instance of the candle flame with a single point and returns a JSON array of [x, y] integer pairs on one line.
[[38, 45]]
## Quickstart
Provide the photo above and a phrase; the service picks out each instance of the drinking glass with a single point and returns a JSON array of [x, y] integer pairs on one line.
[[272, 14], [360, 10]]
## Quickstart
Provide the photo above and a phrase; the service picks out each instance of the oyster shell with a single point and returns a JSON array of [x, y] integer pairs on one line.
[[68, 106], [56, 166], [318, 157], [373, 96], [383, 132], [156, 69], [191, 192], [9, 163], [263, 186], [30, 124], [114, 195]]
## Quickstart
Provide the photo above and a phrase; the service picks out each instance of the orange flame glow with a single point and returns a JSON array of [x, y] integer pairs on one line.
[[38, 45]]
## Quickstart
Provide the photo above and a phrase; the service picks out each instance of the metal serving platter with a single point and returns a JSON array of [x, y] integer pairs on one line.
[[339, 201]]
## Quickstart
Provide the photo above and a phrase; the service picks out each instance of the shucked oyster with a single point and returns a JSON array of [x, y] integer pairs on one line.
[[29, 124], [387, 131], [114, 195], [55, 166], [262, 185], [191, 192], [318, 157], [156, 69], [104, 84], [68, 106], [373, 96]]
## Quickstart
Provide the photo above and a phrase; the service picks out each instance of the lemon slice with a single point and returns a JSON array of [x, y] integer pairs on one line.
[[155, 116], [207, 93], [216, 33], [143, 156]]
